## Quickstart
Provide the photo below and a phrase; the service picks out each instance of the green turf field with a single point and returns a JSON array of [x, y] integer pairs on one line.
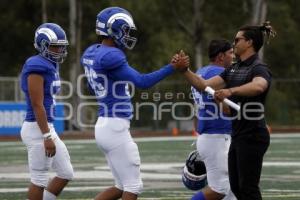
[[162, 161]]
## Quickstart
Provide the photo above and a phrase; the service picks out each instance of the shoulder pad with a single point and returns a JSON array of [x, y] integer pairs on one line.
[[38, 64], [113, 58]]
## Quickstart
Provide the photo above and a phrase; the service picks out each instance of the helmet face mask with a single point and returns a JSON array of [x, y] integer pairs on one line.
[[51, 42], [126, 38], [194, 172], [117, 23]]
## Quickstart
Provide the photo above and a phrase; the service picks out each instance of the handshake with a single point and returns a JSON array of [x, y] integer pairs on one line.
[[180, 61]]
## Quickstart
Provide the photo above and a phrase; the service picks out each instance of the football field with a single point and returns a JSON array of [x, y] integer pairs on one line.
[[162, 162]]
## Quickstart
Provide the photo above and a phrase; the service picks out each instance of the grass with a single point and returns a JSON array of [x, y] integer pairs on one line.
[[162, 161]]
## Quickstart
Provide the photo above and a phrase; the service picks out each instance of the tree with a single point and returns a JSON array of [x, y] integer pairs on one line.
[[194, 30], [259, 14], [75, 19], [44, 11]]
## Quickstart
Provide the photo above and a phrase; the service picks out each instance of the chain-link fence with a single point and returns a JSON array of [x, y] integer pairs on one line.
[[10, 89]]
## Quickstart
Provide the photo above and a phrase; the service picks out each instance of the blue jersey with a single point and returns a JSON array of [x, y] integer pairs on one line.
[[49, 71], [109, 75], [209, 120]]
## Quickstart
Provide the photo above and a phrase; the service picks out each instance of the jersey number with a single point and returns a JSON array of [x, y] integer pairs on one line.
[[92, 77]]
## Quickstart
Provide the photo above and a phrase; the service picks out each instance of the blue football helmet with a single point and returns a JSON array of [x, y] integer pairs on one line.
[[50, 35], [194, 172], [117, 23]]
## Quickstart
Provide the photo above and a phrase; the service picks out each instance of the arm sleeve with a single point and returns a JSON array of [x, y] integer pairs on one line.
[[262, 71], [127, 73]]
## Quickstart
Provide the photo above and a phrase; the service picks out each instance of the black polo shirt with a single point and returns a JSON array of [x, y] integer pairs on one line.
[[250, 119]]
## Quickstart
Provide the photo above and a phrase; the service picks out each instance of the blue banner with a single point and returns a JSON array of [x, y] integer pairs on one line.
[[12, 116]]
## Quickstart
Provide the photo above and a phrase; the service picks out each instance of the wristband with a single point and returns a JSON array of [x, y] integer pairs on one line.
[[47, 136]]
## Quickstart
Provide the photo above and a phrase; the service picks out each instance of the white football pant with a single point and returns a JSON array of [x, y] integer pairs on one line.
[[213, 151], [39, 163], [121, 152]]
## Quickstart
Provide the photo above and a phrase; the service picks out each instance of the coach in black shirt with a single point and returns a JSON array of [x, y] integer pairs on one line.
[[246, 82]]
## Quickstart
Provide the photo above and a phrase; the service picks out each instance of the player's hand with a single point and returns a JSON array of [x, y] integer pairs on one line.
[[220, 95], [180, 61], [50, 148]]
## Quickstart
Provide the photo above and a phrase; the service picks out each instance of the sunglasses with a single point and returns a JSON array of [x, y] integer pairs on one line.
[[236, 40]]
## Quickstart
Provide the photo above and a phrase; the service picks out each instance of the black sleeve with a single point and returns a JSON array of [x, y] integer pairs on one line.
[[262, 71]]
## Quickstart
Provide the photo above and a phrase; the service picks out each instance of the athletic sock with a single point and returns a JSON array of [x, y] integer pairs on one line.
[[198, 196], [48, 195]]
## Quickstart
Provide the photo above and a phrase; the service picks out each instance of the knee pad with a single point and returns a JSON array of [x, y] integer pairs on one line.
[[48, 195], [66, 174], [134, 188], [119, 186], [39, 165], [39, 178]]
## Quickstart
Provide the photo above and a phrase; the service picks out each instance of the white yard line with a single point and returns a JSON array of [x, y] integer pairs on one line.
[[155, 139], [150, 171]]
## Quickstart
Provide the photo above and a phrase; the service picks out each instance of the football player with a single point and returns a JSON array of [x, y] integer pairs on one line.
[[248, 83], [213, 127], [40, 82], [109, 76]]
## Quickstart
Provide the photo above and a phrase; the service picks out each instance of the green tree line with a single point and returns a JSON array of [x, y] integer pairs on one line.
[[164, 26]]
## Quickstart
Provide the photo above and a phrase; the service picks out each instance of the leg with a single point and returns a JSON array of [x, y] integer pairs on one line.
[[125, 173], [35, 192], [233, 170], [114, 140], [125, 162], [215, 160], [111, 193], [38, 163], [210, 194], [250, 158], [129, 196], [56, 185], [229, 196], [114, 192], [63, 168]]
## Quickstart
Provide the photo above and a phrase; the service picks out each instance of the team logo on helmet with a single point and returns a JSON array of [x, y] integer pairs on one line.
[[194, 172], [51, 42]]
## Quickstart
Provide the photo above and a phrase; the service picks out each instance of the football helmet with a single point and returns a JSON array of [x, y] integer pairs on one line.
[[50, 35], [194, 172], [117, 23]]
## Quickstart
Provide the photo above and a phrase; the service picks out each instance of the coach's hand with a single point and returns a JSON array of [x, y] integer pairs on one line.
[[50, 148], [220, 95], [180, 61]]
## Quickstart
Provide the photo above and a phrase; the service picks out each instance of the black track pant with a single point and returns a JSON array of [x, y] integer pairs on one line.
[[245, 163]]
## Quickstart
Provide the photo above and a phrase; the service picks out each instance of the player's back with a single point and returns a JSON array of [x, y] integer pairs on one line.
[[49, 71], [112, 94], [210, 119]]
